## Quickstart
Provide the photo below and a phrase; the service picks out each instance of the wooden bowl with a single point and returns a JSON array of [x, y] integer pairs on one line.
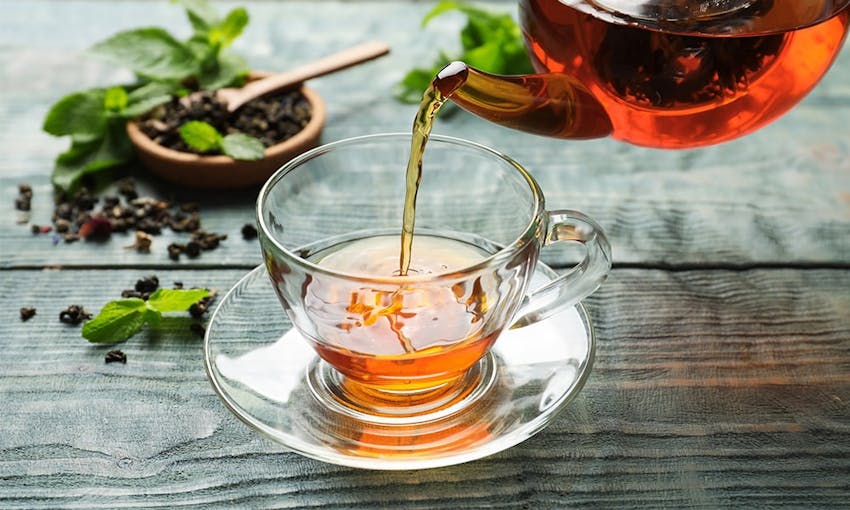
[[222, 172]]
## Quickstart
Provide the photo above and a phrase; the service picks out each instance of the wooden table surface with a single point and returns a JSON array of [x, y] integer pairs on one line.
[[722, 375]]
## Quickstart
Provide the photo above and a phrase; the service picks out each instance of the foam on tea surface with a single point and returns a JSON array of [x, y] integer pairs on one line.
[[378, 256]]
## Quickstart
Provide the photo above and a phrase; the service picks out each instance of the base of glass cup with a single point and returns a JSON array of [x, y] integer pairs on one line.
[[369, 404]]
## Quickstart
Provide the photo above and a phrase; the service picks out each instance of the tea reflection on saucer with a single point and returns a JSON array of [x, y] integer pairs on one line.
[[267, 379]]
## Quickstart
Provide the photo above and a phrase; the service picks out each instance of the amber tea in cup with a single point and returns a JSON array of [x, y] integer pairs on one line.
[[393, 344]]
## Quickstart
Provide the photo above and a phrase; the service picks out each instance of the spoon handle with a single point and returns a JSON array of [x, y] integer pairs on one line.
[[335, 62]]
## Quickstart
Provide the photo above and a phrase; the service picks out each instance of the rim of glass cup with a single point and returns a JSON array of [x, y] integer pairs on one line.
[[527, 235]]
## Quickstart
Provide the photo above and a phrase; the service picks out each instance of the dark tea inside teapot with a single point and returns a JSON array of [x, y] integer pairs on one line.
[[658, 73]]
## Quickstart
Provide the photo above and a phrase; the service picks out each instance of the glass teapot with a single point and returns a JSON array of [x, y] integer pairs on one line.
[[657, 73]]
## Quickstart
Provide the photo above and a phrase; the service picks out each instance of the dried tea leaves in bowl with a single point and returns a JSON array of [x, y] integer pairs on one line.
[[271, 119]]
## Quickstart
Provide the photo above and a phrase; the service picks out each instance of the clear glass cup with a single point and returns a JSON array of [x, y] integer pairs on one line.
[[399, 347]]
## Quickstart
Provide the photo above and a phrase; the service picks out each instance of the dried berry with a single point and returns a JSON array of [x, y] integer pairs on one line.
[[115, 356], [74, 314], [249, 232], [27, 313], [96, 227]]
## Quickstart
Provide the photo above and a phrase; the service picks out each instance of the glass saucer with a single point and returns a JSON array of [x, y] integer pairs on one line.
[[265, 373]]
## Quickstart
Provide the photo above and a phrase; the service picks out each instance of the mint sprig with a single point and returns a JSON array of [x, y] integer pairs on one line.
[[123, 318], [490, 41], [204, 137], [166, 67], [96, 120]]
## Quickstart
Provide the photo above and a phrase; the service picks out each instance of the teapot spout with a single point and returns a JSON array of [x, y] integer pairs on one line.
[[544, 104]]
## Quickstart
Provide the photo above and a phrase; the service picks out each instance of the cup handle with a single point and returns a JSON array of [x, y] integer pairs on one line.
[[580, 281]]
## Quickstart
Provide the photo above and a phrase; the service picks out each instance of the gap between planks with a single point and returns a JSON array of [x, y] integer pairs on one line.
[[651, 266]]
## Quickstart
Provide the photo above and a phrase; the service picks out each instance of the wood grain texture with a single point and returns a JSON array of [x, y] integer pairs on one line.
[[710, 389], [779, 196], [722, 375]]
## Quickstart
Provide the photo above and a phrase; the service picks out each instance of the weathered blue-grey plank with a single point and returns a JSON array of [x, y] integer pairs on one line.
[[710, 388], [781, 195]]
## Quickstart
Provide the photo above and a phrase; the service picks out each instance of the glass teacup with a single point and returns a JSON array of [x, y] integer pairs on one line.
[[330, 223]]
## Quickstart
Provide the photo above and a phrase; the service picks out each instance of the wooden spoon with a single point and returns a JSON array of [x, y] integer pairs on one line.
[[236, 97]]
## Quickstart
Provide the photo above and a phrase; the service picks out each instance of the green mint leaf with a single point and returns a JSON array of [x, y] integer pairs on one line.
[[151, 315], [81, 113], [115, 99], [243, 147], [147, 97], [489, 41], [176, 300], [116, 322], [229, 70], [414, 83], [92, 155], [200, 136], [206, 55], [201, 15], [149, 52], [123, 318], [487, 56], [230, 28], [440, 8]]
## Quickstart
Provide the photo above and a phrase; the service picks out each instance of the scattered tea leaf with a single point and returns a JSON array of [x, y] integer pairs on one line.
[[115, 356]]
